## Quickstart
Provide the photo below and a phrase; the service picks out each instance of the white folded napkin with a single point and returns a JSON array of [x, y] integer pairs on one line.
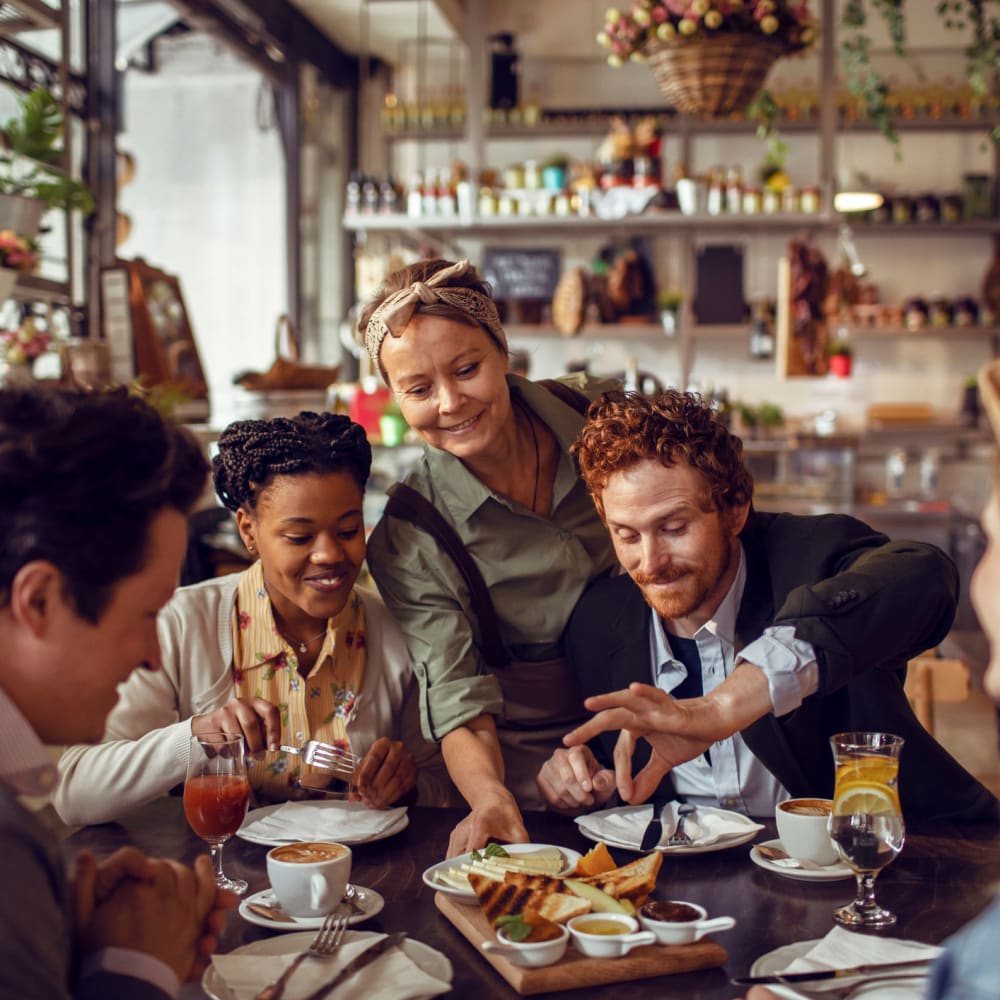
[[392, 976], [842, 948], [335, 820], [624, 826]]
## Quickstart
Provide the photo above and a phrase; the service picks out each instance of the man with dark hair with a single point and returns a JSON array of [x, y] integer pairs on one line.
[[94, 493], [768, 632]]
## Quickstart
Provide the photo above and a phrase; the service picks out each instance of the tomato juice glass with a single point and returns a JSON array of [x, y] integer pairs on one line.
[[216, 794]]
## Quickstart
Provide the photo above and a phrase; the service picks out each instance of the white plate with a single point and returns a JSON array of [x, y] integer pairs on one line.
[[779, 960], [467, 895], [828, 873], [333, 806], [423, 955], [369, 901], [729, 840]]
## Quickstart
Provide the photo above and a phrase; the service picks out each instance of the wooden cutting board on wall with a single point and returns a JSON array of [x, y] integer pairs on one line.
[[575, 971]]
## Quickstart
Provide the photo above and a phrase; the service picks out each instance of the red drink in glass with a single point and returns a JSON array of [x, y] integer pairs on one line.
[[216, 804]]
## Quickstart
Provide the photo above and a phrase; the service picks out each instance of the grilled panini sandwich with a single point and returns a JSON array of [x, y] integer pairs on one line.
[[543, 895]]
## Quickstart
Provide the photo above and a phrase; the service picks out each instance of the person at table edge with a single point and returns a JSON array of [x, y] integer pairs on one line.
[[496, 470], [739, 641], [289, 649], [93, 521]]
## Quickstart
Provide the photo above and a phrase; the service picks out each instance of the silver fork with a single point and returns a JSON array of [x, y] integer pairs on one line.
[[325, 756], [679, 838], [326, 942], [849, 991]]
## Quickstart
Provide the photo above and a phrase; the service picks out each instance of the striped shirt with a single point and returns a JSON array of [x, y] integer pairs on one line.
[[317, 706]]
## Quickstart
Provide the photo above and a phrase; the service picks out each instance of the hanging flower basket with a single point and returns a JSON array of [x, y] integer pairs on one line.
[[713, 76], [709, 57]]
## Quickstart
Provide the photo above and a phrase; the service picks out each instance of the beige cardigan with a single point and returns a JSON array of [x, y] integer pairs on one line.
[[144, 752]]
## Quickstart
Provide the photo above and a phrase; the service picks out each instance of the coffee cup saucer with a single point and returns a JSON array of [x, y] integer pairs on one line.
[[828, 873], [367, 903]]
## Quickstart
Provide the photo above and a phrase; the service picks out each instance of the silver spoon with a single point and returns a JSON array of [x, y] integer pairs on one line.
[[784, 860]]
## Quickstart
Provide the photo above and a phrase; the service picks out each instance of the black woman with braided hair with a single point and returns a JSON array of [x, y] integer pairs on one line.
[[286, 651]]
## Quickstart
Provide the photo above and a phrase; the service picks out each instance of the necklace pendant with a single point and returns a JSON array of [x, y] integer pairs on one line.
[[302, 647]]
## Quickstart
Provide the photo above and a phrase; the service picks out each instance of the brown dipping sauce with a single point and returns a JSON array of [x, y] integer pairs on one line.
[[674, 913]]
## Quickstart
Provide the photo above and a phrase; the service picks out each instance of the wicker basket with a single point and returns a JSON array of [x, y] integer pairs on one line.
[[713, 76]]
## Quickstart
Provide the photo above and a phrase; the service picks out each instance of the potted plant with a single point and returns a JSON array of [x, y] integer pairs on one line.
[[18, 255], [31, 180], [20, 347], [669, 303], [687, 41], [840, 355], [982, 52]]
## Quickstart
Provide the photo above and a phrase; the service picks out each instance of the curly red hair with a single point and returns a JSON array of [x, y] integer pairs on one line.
[[624, 428]]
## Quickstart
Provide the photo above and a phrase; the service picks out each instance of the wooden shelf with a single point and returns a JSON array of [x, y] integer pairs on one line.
[[655, 221], [569, 123], [984, 227], [30, 288], [27, 15], [927, 332], [593, 331]]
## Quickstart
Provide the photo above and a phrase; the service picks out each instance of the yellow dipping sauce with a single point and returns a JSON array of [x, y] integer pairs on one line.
[[598, 926]]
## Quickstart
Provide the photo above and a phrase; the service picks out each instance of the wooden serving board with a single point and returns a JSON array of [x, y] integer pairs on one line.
[[575, 970]]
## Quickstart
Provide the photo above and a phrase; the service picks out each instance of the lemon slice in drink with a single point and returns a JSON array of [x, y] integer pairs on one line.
[[868, 769], [857, 797]]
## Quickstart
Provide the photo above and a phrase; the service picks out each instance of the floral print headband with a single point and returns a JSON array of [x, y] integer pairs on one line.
[[392, 316]]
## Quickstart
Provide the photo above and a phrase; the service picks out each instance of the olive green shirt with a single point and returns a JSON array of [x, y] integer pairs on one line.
[[535, 567]]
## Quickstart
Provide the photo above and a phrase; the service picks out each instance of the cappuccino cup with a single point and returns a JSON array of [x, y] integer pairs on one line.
[[803, 826], [309, 879]]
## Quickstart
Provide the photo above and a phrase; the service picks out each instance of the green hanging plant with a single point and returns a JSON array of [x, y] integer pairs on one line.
[[982, 55], [32, 151]]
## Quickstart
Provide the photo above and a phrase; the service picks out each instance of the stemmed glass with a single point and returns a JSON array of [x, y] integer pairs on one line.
[[216, 794], [866, 823]]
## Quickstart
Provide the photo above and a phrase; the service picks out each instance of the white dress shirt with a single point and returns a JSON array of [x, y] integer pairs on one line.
[[735, 778]]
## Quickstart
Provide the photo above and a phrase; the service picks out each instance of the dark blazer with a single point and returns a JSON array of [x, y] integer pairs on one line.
[[36, 922], [866, 604]]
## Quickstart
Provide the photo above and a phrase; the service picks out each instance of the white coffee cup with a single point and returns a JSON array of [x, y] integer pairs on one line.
[[309, 879], [803, 829]]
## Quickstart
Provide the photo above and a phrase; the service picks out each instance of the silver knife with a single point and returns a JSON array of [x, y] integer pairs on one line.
[[654, 828], [357, 963], [857, 970]]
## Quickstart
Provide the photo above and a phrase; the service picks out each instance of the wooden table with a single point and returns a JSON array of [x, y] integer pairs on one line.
[[943, 878]]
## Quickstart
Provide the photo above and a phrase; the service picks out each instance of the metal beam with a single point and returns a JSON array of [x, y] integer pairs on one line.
[[290, 124], [102, 128]]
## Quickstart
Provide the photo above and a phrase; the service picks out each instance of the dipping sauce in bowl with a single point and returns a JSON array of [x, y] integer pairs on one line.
[[607, 935], [599, 926], [680, 913], [676, 922]]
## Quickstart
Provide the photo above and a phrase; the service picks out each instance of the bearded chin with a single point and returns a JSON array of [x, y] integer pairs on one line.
[[670, 606]]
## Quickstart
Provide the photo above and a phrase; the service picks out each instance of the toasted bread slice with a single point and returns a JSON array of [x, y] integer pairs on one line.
[[557, 907], [634, 881], [520, 893]]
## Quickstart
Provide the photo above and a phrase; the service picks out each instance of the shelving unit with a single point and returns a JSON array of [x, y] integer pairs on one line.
[[687, 233], [24, 68]]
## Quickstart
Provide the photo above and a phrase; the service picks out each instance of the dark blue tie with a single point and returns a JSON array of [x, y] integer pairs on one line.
[[686, 650]]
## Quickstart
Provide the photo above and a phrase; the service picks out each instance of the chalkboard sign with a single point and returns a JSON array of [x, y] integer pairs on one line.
[[719, 285], [522, 275]]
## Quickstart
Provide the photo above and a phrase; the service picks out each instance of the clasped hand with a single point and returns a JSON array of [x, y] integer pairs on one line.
[[161, 908]]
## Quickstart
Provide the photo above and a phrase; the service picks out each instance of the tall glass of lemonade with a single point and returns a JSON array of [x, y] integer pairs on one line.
[[866, 822]]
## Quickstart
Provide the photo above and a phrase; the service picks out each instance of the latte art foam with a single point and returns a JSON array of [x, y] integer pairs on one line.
[[308, 853]]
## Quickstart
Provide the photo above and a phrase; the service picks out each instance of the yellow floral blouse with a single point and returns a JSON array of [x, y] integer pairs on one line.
[[314, 707]]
